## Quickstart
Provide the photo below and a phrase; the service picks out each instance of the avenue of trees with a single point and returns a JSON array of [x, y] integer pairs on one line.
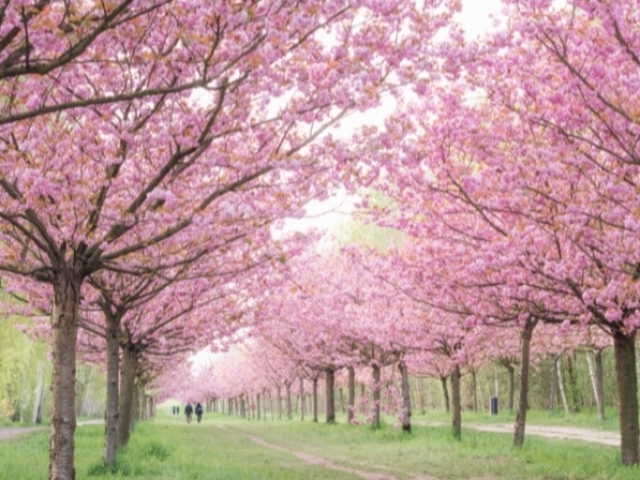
[[150, 149]]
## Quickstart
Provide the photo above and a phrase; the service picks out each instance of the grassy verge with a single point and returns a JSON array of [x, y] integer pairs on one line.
[[167, 448], [432, 451]]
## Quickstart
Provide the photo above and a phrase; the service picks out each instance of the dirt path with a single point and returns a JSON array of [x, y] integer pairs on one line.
[[563, 433], [322, 462], [9, 432]]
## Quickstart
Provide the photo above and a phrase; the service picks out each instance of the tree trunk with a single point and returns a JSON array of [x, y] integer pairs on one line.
[[574, 392], [512, 385], [64, 324], [289, 405], [456, 403], [301, 399], [315, 399], [597, 380], [406, 397], [626, 376], [521, 417], [113, 380], [375, 417], [127, 395], [38, 393], [331, 404], [563, 392], [445, 393], [474, 390], [258, 406], [554, 382], [352, 394], [421, 402], [279, 400]]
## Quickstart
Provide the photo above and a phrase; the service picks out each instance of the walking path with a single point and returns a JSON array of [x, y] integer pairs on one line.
[[323, 462], [563, 433], [9, 432]]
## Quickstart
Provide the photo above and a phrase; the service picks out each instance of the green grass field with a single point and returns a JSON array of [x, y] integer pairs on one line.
[[222, 448]]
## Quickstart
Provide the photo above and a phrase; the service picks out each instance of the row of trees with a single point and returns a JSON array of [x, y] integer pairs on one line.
[[558, 383], [148, 146]]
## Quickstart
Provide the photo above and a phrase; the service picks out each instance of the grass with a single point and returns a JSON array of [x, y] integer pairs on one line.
[[168, 448]]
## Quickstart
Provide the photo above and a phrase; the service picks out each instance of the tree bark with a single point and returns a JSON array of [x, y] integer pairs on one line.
[[127, 395], [594, 361], [474, 390], [375, 417], [279, 400], [64, 324], [512, 386], [421, 402], [38, 393], [331, 403], [301, 399], [563, 392], [113, 380], [352, 394], [315, 399], [626, 376], [406, 397], [521, 417], [456, 403], [554, 382], [574, 392], [445, 393]]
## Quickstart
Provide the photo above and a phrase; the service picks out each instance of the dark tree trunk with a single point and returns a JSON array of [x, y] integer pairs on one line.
[[315, 399], [445, 393], [521, 417], [474, 390], [127, 395], [331, 403], [64, 324], [456, 403], [406, 397], [352, 393], [375, 417], [624, 345], [113, 380], [512, 385]]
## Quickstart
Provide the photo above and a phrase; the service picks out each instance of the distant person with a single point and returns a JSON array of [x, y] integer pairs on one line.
[[199, 411], [188, 411], [173, 409], [178, 410]]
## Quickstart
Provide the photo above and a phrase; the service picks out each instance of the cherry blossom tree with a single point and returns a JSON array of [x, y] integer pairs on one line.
[[141, 162]]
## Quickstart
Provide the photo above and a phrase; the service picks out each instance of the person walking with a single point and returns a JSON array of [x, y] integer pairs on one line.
[[188, 411], [199, 411]]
